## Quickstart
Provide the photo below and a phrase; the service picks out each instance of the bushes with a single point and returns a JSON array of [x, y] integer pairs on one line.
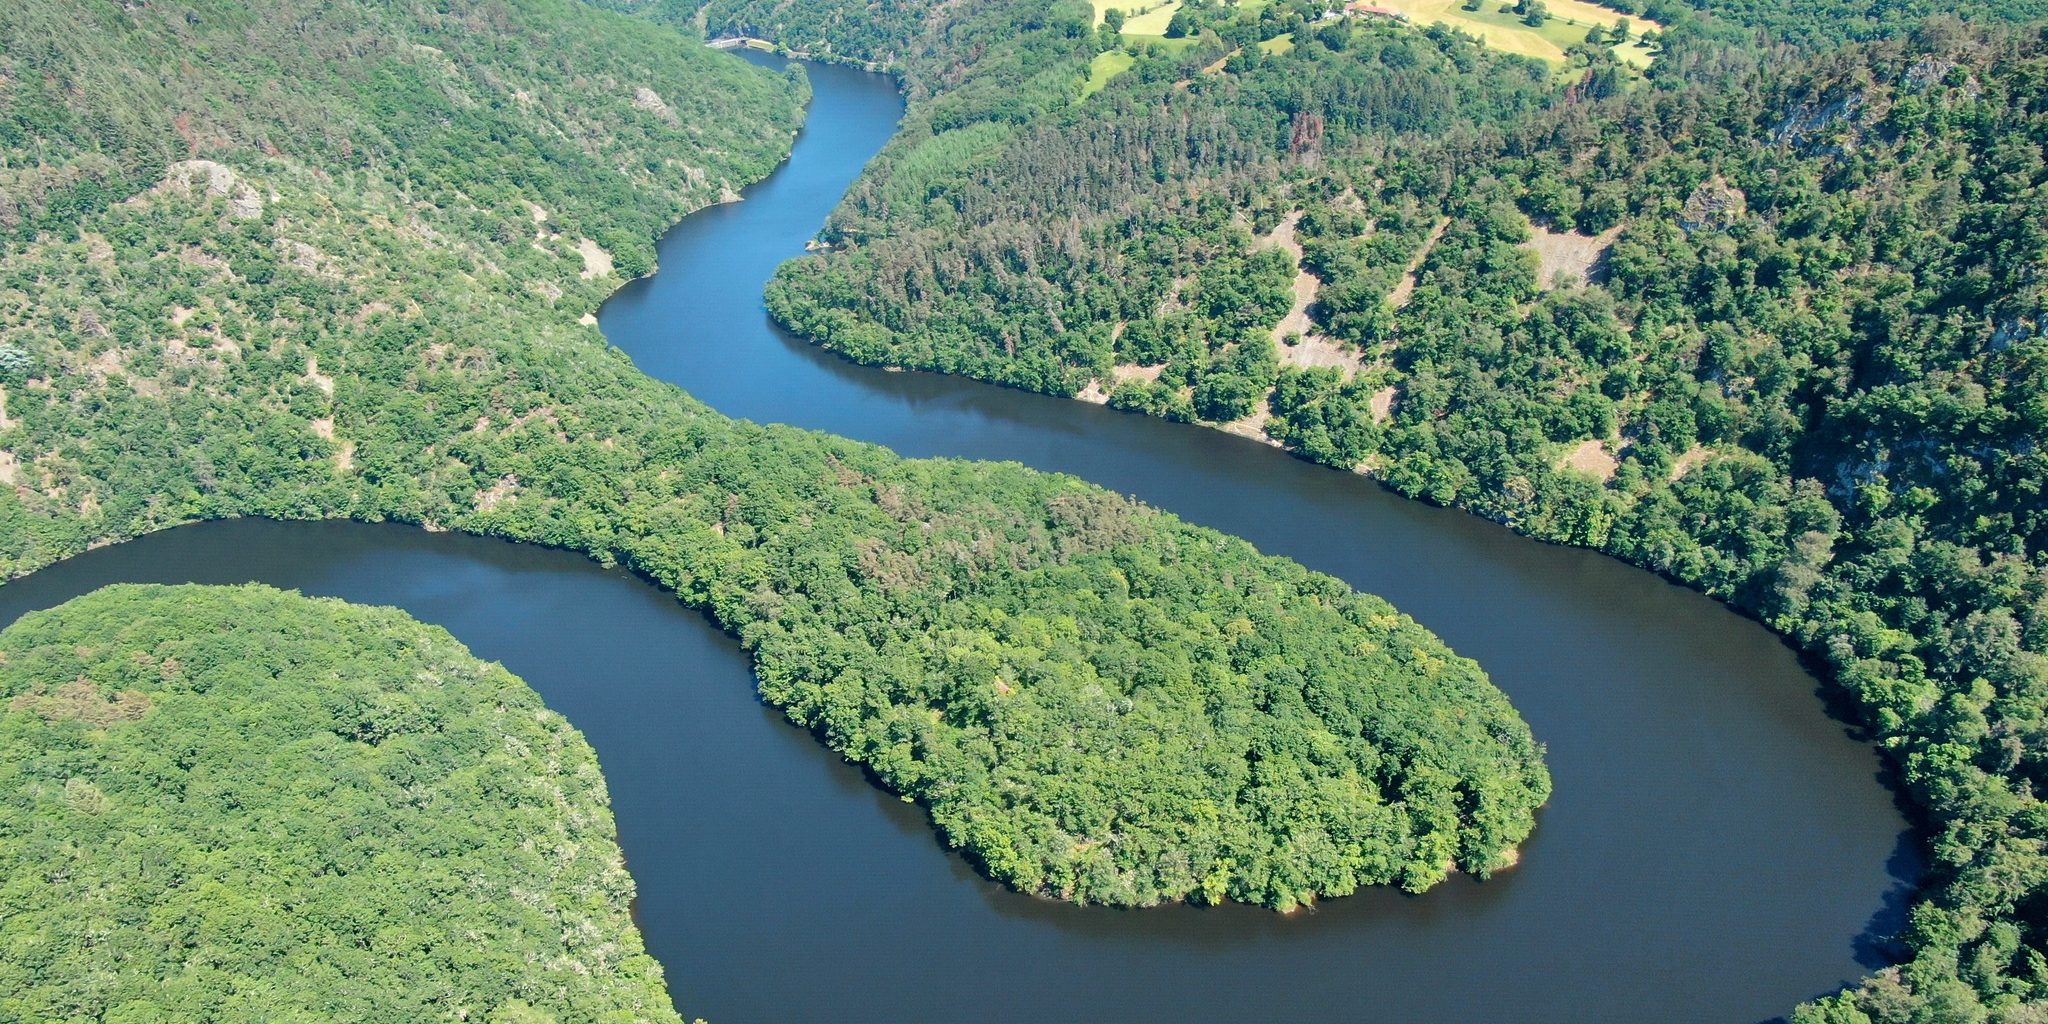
[[241, 804], [1815, 345], [1094, 700]]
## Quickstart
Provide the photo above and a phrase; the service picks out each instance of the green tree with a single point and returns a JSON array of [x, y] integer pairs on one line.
[[279, 808], [15, 364]]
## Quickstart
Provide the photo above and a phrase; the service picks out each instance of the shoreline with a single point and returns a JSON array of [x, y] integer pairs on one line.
[[746, 42]]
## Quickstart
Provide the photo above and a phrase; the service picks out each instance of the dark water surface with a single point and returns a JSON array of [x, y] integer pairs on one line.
[[1717, 848]]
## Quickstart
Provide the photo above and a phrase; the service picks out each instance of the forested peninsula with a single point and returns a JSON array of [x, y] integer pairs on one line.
[[239, 804], [1765, 318], [338, 259]]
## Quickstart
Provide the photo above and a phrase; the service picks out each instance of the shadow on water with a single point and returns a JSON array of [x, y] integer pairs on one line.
[[1879, 946], [1717, 849]]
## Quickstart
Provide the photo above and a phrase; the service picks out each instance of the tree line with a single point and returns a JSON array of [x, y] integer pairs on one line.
[[1801, 370], [1094, 700]]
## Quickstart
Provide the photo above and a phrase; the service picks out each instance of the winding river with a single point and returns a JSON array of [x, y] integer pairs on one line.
[[1718, 849]]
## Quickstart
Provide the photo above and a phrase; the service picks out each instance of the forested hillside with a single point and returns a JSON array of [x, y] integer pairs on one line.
[[1094, 700], [1811, 24], [1042, 252], [238, 804], [1769, 323], [97, 99]]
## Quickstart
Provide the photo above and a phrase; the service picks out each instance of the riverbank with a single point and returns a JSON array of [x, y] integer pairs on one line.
[[510, 421], [1687, 743], [1696, 777], [760, 45]]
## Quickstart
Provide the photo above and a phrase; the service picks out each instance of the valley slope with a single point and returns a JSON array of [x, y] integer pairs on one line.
[[1768, 323], [338, 261]]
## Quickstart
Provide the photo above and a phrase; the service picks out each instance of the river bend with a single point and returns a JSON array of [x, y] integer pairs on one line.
[[1717, 849]]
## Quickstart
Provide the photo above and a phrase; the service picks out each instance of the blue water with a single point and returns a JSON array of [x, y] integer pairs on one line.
[[1718, 849]]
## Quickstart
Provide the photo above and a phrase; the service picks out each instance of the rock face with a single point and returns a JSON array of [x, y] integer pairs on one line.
[[1714, 206], [651, 101], [214, 180], [596, 261], [1815, 118]]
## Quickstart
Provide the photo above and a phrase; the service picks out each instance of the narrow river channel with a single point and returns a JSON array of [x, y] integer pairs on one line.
[[1718, 849]]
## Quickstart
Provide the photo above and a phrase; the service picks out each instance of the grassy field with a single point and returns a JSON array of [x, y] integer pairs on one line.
[[1150, 23], [1496, 23], [1144, 24], [1139, 10], [1105, 66]]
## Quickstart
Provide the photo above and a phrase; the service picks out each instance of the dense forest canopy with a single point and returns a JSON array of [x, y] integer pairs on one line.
[[1766, 317], [1094, 700], [439, 101], [238, 804], [1768, 320]]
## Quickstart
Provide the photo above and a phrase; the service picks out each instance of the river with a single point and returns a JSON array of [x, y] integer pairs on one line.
[[1718, 848]]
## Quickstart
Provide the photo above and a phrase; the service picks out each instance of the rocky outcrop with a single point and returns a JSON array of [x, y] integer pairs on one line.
[[651, 101], [205, 177], [1714, 206]]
